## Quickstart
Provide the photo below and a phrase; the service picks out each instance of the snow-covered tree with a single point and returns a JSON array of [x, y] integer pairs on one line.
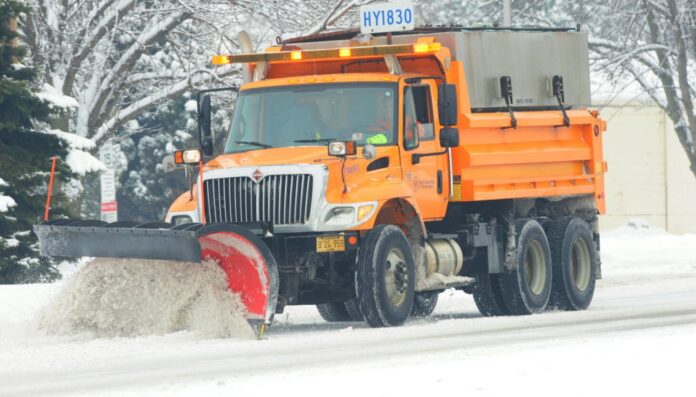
[[653, 43], [119, 58], [24, 159]]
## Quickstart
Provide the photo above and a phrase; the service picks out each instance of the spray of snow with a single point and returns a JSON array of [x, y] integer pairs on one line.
[[126, 297]]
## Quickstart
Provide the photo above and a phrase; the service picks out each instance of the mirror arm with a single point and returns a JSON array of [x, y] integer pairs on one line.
[[201, 92], [415, 158]]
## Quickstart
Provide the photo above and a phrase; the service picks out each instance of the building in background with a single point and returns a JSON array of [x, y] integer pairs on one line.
[[649, 176]]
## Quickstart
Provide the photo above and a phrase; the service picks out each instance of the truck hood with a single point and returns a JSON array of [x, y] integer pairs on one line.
[[274, 156]]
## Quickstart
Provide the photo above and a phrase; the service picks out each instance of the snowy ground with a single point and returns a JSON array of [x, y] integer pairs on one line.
[[638, 337]]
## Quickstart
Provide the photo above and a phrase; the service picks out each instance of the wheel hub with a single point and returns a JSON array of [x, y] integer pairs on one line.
[[396, 277], [581, 266], [535, 268]]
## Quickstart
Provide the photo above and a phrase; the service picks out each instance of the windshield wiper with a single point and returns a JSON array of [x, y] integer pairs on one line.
[[254, 143], [314, 140]]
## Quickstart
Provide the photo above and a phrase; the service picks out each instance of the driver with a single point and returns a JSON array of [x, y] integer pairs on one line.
[[380, 132]]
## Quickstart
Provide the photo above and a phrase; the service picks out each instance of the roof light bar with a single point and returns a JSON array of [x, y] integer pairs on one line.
[[393, 49]]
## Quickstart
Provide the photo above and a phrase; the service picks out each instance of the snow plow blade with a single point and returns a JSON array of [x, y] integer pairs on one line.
[[246, 260]]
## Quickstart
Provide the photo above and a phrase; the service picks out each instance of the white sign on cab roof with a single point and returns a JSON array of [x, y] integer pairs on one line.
[[396, 16]]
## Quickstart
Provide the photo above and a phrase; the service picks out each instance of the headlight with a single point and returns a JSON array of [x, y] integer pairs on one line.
[[348, 148], [181, 219], [340, 216]]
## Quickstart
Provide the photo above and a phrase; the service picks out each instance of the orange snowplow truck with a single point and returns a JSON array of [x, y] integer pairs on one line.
[[367, 174]]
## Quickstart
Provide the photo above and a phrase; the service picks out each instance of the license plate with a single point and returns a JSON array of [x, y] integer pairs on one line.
[[331, 244]]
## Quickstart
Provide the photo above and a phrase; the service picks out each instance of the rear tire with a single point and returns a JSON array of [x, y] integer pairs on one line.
[[385, 277], [486, 291], [333, 312], [424, 303], [574, 258], [526, 289]]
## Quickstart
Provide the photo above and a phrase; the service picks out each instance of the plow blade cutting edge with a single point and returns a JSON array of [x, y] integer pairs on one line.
[[246, 260]]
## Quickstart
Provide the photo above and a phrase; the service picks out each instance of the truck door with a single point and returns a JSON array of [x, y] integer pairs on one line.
[[427, 176]]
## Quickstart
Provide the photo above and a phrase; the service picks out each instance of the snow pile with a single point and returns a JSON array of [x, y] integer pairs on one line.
[[637, 247], [125, 297]]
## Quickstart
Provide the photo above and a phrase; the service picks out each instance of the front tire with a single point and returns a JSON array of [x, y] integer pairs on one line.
[[333, 312], [526, 288], [574, 258], [385, 277]]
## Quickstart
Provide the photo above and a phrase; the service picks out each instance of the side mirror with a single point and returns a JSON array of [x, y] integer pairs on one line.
[[204, 131], [449, 137], [447, 105]]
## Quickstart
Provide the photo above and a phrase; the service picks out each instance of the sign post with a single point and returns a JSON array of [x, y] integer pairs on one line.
[[109, 206]]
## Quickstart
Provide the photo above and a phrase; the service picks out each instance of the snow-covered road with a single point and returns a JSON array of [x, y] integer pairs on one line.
[[639, 336]]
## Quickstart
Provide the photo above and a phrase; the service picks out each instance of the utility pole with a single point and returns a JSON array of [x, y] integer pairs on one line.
[[506, 14]]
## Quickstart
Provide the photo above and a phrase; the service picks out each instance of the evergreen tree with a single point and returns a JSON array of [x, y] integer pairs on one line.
[[145, 190], [24, 160]]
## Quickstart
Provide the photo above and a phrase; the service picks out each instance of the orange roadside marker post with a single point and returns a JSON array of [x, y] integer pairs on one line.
[[50, 187]]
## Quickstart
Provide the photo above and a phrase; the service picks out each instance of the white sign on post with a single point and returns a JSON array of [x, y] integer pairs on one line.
[[387, 17], [109, 207]]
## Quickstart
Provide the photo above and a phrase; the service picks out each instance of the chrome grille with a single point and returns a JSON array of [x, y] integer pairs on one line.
[[276, 199]]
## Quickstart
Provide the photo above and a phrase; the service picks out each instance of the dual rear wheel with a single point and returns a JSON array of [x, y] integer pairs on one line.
[[553, 268]]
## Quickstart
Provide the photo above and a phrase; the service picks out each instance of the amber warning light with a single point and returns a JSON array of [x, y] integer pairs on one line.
[[378, 50]]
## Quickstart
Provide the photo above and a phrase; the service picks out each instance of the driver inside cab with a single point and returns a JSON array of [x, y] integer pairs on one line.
[[381, 130]]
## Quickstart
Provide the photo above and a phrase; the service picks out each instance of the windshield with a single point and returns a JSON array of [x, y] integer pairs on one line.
[[313, 115]]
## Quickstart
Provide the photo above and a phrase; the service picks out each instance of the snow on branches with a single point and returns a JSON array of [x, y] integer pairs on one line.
[[119, 58]]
